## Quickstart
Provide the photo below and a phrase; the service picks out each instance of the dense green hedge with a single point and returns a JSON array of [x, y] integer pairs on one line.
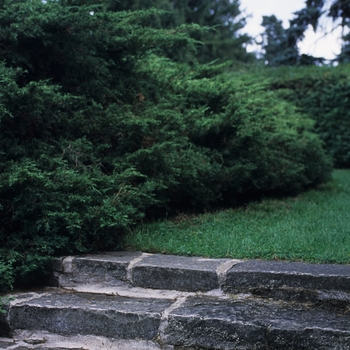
[[322, 93], [98, 131]]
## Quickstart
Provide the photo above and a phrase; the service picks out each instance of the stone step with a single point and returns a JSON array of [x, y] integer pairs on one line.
[[138, 269], [291, 281], [184, 322], [42, 340], [280, 280], [88, 314], [277, 274], [210, 323]]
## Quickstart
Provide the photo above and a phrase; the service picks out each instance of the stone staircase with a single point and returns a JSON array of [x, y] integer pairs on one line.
[[133, 300]]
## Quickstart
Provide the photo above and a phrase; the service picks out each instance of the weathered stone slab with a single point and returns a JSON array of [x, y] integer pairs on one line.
[[108, 268], [90, 314], [318, 298], [247, 324], [6, 342], [27, 340], [177, 272], [256, 274]]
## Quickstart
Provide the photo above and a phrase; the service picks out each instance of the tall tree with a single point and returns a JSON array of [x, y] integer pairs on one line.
[[223, 19], [340, 10], [280, 45], [314, 12], [224, 40]]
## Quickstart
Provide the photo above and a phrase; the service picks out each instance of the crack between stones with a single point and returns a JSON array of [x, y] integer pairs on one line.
[[132, 263], [67, 264], [222, 270], [165, 318]]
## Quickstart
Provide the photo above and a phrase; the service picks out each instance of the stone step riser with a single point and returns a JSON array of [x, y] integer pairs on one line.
[[142, 270], [189, 322], [292, 281], [277, 274], [86, 314], [253, 324]]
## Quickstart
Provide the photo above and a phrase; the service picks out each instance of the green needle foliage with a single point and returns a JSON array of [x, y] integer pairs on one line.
[[98, 130], [223, 19], [322, 93]]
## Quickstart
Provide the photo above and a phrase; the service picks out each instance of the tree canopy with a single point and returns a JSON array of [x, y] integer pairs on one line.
[[223, 19], [280, 44]]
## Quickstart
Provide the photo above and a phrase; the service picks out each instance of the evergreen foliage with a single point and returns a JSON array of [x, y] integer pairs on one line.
[[283, 42], [278, 49], [223, 19], [99, 130], [280, 45], [322, 93], [339, 11]]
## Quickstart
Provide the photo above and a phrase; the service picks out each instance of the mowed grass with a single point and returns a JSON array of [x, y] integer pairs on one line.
[[312, 227]]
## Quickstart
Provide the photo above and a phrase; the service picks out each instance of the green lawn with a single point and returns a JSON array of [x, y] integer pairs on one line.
[[314, 227]]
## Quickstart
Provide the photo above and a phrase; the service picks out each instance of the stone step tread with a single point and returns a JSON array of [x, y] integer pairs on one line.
[[193, 274], [42, 340], [192, 321], [127, 290], [332, 299], [89, 314]]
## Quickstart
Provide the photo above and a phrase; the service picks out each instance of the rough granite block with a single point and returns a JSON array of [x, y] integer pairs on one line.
[[250, 324], [255, 274], [90, 314], [104, 268], [177, 272]]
